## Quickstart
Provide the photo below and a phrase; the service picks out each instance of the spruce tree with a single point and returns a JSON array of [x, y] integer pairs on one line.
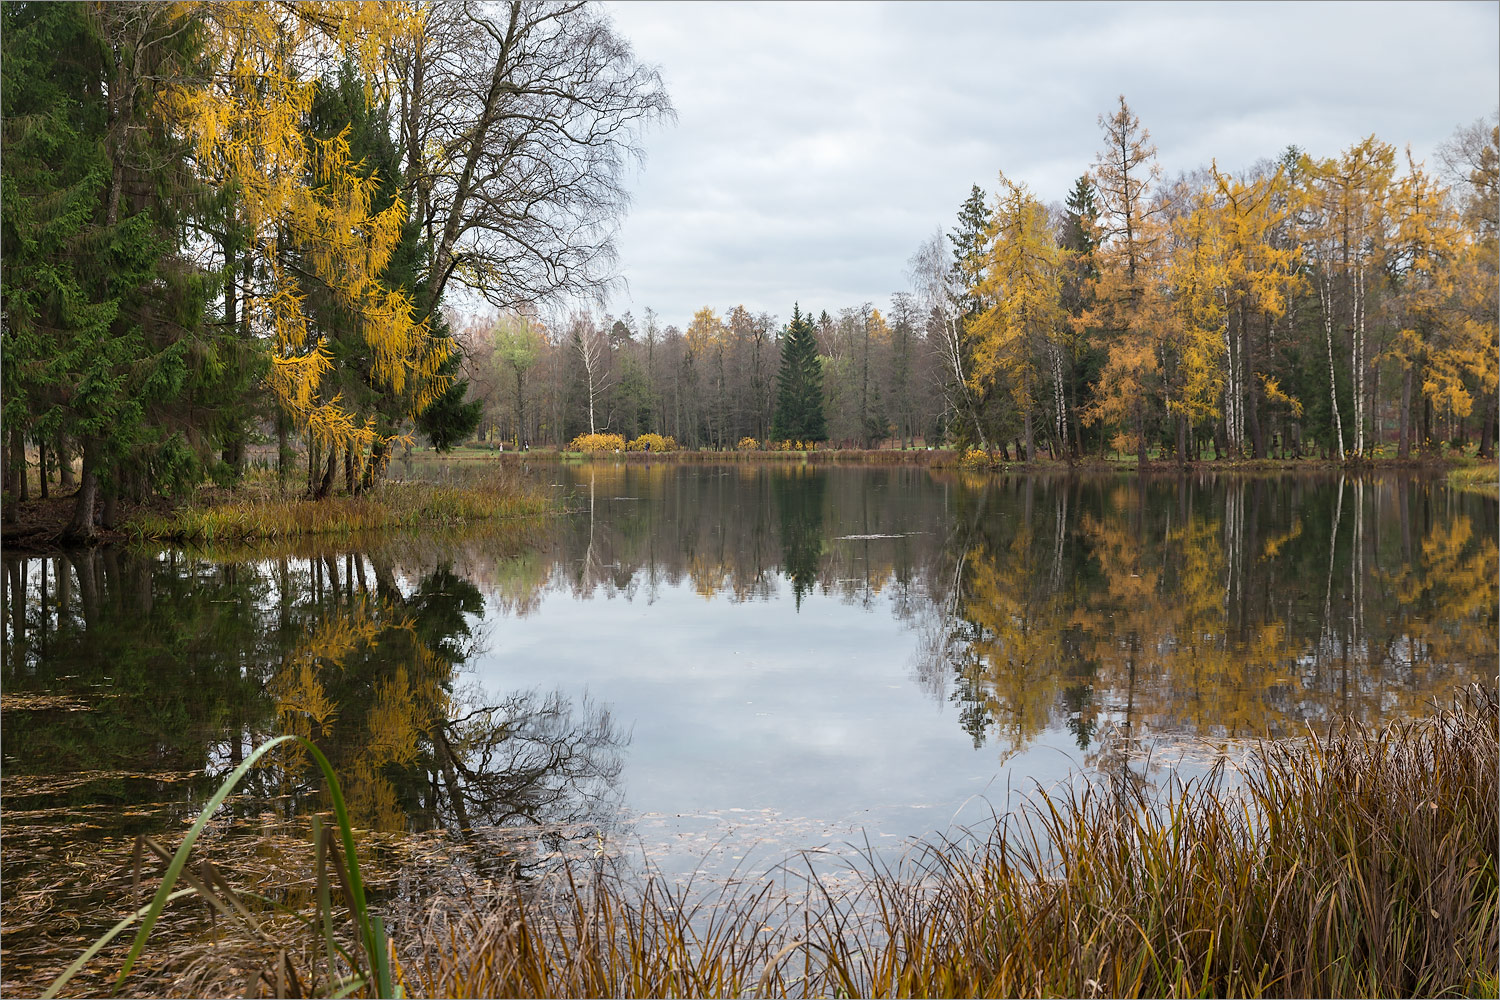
[[341, 103], [799, 400], [101, 314]]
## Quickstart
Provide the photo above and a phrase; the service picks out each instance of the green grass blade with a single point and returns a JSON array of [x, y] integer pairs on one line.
[[180, 858]]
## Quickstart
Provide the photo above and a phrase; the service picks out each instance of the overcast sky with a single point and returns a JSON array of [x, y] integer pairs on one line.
[[817, 145]]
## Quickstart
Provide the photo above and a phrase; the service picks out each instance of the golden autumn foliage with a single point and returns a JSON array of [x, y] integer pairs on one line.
[[597, 443], [1015, 337], [652, 442], [307, 212]]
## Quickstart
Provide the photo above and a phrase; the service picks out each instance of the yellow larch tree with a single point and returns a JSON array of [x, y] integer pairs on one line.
[[1258, 276], [1017, 335], [1430, 346], [1195, 323], [1477, 268], [306, 217], [1131, 238]]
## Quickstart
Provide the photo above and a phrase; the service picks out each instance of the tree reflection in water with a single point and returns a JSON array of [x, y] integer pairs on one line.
[[375, 682], [181, 665], [1200, 605]]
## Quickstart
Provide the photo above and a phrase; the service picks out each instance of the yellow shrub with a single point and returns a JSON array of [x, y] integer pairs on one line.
[[974, 459], [748, 444], [653, 443], [597, 443]]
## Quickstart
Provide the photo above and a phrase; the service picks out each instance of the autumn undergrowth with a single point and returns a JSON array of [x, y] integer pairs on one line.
[[1360, 863], [392, 505], [1481, 478]]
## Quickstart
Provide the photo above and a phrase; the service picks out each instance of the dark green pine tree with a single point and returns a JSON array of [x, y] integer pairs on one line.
[[800, 501], [102, 316], [799, 398], [968, 239], [450, 418], [1085, 355]]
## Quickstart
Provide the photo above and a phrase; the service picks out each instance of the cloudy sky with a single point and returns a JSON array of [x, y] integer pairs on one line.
[[817, 145]]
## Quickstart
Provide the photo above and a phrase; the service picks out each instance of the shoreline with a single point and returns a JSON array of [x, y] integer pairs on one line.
[[39, 522]]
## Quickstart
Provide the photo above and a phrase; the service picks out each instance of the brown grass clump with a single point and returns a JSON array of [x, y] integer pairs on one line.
[[1361, 864], [393, 505]]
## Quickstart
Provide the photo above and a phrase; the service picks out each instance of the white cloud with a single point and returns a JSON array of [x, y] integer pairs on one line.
[[818, 144]]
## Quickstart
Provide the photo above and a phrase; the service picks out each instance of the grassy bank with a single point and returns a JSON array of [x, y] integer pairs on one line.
[[1481, 478], [978, 461], [1362, 863], [251, 514]]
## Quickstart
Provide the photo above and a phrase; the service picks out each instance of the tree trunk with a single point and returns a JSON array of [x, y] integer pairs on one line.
[[376, 464], [282, 450], [1140, 434], [520, 413], [80, 529], [6, 474], [1487, 428], [1403, 446], [1326, 290], [325, 485], [108, 513], [41, 466], [1252, 408], [1030, 438], [349, 469], [65, 478], [18, 456]]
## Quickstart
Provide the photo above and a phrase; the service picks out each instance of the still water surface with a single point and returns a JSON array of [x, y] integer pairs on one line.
[[700, 659]]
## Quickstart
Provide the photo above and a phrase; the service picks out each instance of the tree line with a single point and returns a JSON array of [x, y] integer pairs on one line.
[[225, 222], [232, 224], [1339, 306], [1343, 303]]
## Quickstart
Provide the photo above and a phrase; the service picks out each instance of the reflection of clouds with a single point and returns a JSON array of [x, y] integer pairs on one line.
[[809, 713]]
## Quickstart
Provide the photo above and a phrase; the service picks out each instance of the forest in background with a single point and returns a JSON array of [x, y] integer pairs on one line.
[[232, 225], [227, 224], [1342, 306]]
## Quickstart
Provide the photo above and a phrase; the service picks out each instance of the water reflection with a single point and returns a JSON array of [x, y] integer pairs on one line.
[[777, 638], [1216, 606], [141, 679]]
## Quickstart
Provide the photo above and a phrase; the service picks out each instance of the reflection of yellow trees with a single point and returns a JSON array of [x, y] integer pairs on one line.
[[1011, 666], [302, 703], [364, 686], [1445, 601], [1177, 618]]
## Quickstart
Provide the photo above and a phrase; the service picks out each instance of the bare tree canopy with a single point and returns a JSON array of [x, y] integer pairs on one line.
[[517, 122]]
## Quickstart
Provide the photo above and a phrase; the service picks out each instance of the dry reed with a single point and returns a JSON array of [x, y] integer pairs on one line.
[[393, 505], [1359, 864]]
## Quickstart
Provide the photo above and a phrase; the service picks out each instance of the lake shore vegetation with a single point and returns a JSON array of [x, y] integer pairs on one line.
[[1359, 862], [246, 515], [181, 287]]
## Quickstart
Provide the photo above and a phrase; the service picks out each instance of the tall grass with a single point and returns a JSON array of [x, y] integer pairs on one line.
[[1481, 478], [393, 505], [1362, 864], [1359, 864], [365, 970]]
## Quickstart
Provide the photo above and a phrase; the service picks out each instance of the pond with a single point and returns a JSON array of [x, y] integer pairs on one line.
[[704, 667]]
